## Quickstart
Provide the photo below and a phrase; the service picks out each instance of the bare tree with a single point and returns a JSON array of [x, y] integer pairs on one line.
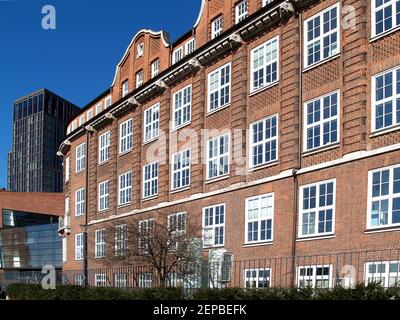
[[166, 244]]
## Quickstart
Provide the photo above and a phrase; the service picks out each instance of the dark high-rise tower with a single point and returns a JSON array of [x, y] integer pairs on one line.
[[39, 122]]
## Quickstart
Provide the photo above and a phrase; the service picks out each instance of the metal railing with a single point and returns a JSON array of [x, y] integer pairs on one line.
[[318, 271]]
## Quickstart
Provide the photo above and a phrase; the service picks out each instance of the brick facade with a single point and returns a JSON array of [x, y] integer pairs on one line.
[[348, 161]]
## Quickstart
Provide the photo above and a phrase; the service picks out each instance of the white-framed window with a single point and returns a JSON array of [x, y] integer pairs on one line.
[[152, 123], [78, 279], [217, 26], [121, 280], [322, 36], [181, 169], [74, 125], [264, 141], [190, 46], [104, 147], [121, 240], [125, 88], [177, 226], [89, 115], [385, 16], [67, 168], [79, 202], [315, 276], [219, 87], [81, 120], [64, 249], [150, 181], [387, 273], [100, 280], [321, 121], [218, 156], [108, 102], [139, 79], [177, 55], [257, 278], [386, 100], [99, 108], [126, 136], [241, 11], [265, 2], [125, 188], [182, 101], [259, 218], [140, 50], [155, 68], [146, 280], [80, 157], [384, 197], [317, 205], [104, 196], [214, 225], [265, 65], [146, 231], [79, 246], [100, 243]]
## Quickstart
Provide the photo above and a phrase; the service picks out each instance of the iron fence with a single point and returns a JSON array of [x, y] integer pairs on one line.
[[318, 271]]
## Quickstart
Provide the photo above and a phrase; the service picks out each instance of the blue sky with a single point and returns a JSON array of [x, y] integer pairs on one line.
[[78, 59]]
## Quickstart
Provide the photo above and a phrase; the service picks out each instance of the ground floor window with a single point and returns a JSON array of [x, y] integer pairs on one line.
[[100, 280], [387, 273], [121, 280], [314, 276], [257, 278]]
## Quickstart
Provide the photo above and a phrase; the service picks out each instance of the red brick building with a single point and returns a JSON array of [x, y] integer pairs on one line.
[[281, 118]]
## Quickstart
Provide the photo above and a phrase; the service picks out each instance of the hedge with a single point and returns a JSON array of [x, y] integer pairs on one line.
[[360, 292], [36, 292]]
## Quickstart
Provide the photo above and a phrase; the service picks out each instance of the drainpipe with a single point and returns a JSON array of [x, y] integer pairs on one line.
[[299, 161], [85, 232]]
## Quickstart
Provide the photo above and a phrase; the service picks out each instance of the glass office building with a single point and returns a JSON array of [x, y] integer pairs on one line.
[[29, 241], [39, 123]]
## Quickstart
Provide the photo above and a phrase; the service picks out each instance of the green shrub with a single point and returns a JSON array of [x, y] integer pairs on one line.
[[35, 292]]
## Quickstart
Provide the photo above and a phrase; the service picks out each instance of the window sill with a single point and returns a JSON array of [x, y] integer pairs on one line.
[[224, 177], [103, 211], [269, 86], [257, 244], [121, 154], [209, 113], [150, 141], [382, 230], [121, 206], [321, 63], [380, 132], [384, 34], [174, 191], [77, 173], [263, 166], [321, 149], [80, 216], [103, 163], [150, 198], [181, 126], [312, 238]]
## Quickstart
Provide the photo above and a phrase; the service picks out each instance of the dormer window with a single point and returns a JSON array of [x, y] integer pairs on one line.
[[242, 11], [177, 55], [155, 68], [125, 88], [216, 27], [139, 79], [139, 50], [190, 46]]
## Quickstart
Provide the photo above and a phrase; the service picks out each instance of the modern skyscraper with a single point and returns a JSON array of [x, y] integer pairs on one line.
[[39, 122]]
